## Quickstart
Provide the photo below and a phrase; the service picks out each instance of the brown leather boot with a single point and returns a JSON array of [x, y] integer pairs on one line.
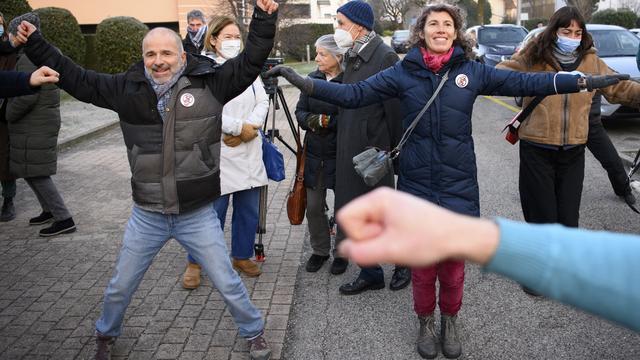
[[191, 277], [247, 267]]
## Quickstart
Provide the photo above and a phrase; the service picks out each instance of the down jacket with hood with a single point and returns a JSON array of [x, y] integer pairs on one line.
[[438, 161], [33, 122]]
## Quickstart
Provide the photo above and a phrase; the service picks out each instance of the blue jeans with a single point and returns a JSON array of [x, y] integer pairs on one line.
[[197, 231], [244, 221]]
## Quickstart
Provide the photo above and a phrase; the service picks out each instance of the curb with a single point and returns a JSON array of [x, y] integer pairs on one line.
[[86, 135]]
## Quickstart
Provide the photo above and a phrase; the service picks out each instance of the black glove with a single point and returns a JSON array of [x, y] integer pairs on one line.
[[303, 83], [599, 81], [313, 122]]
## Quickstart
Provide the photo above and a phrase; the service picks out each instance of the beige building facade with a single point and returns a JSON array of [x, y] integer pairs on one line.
[[92, 12], [173, 13]]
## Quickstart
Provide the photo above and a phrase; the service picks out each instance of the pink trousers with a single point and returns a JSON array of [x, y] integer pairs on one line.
[[451, 277]]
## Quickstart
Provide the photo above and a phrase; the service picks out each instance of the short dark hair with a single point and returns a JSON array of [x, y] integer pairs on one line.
[[196, 14]]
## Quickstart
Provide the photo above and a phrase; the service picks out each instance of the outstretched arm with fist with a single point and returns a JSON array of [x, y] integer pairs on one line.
[[15, 83], [595, 271]]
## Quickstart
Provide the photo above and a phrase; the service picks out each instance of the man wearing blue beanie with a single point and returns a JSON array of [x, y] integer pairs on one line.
[[376, 125]]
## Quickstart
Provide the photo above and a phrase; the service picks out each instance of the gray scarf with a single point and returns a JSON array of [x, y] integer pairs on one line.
[[359, 43], [163, 91], [196, 38], [564, 57]]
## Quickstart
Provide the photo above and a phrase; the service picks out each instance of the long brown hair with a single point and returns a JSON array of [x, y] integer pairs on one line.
[[214, 27], [540, 49], [458, 23], [5, 35]]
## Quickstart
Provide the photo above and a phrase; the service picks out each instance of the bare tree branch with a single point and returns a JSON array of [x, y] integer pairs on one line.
[[395, 10], [586, 7]]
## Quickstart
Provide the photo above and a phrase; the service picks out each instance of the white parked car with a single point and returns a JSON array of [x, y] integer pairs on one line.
[[617, 47], [635, 31]]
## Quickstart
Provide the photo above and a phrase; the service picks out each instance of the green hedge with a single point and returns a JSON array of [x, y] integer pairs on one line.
[[623, 17], [90, 57], [61, 29], [119, 43], [13, 8], [294, 39]]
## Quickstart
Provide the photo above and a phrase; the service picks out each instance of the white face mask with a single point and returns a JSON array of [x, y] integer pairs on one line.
[[343, 38], [229, 48]]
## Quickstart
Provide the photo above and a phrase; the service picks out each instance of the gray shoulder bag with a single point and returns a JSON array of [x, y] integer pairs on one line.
[[373, 163]]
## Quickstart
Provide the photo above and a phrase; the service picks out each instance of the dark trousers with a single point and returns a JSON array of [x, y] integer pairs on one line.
[[8, 188], [317, 221], [551, 184], [601, 147], [49, 197]]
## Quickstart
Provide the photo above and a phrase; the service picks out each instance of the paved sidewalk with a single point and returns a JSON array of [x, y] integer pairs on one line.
[[81, 120], [51, 289]]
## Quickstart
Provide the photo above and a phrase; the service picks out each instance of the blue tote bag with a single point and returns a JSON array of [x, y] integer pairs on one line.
[[272, 158]]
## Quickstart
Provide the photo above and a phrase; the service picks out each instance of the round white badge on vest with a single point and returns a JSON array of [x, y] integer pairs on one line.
[[462, 80], [187, 100]]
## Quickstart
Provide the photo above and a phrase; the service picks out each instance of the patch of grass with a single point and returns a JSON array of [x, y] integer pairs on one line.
[[303, 68], [64, 96]]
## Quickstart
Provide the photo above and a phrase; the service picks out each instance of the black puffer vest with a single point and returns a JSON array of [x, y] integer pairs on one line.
[[175, 164]]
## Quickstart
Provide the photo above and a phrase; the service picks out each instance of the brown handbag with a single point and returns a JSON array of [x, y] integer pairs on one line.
[[297, 197]]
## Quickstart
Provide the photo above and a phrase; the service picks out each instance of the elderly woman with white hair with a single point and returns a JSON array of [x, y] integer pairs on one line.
[[318, 119]]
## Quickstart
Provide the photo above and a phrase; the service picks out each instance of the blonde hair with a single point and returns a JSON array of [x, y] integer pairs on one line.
[[216, 25]]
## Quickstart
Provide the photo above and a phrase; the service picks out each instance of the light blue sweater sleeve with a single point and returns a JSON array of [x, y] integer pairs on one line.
[[596, 271]]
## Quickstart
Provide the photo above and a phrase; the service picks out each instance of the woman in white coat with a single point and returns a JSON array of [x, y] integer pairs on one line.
[[242, 171]]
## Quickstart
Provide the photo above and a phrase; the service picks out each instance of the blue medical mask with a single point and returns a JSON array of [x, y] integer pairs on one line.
[[567, 45], [1, 30]]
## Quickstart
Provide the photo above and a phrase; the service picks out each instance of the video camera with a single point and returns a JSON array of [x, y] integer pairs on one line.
[[270, 83]]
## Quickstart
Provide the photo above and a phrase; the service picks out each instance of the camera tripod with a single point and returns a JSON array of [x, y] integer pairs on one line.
[[275, 93]]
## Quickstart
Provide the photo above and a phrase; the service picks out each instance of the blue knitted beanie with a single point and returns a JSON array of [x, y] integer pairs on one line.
[[359, 12]]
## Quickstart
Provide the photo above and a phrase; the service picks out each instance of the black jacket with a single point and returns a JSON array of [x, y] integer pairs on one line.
[[321, 145], [376, 125], [174, 163], [15, 83], [188, 46]]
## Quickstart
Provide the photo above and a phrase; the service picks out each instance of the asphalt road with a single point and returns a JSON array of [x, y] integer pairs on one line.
[[497, 320]]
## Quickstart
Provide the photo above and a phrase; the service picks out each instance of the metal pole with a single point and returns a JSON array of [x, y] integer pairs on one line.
[[518, 12]]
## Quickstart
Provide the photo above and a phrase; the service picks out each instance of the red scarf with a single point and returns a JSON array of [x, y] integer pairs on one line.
[[435, 62]]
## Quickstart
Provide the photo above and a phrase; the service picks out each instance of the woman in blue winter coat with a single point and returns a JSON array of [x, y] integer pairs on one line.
[[438, 163]]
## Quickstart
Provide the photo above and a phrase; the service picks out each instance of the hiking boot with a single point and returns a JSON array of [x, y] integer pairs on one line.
[[43, 218], [247, 267], [339, 265], [191, 277], [315, 262], [451, 347], [259, 349], [427, 339], [8, 210], [59, 227], [103, 347]]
